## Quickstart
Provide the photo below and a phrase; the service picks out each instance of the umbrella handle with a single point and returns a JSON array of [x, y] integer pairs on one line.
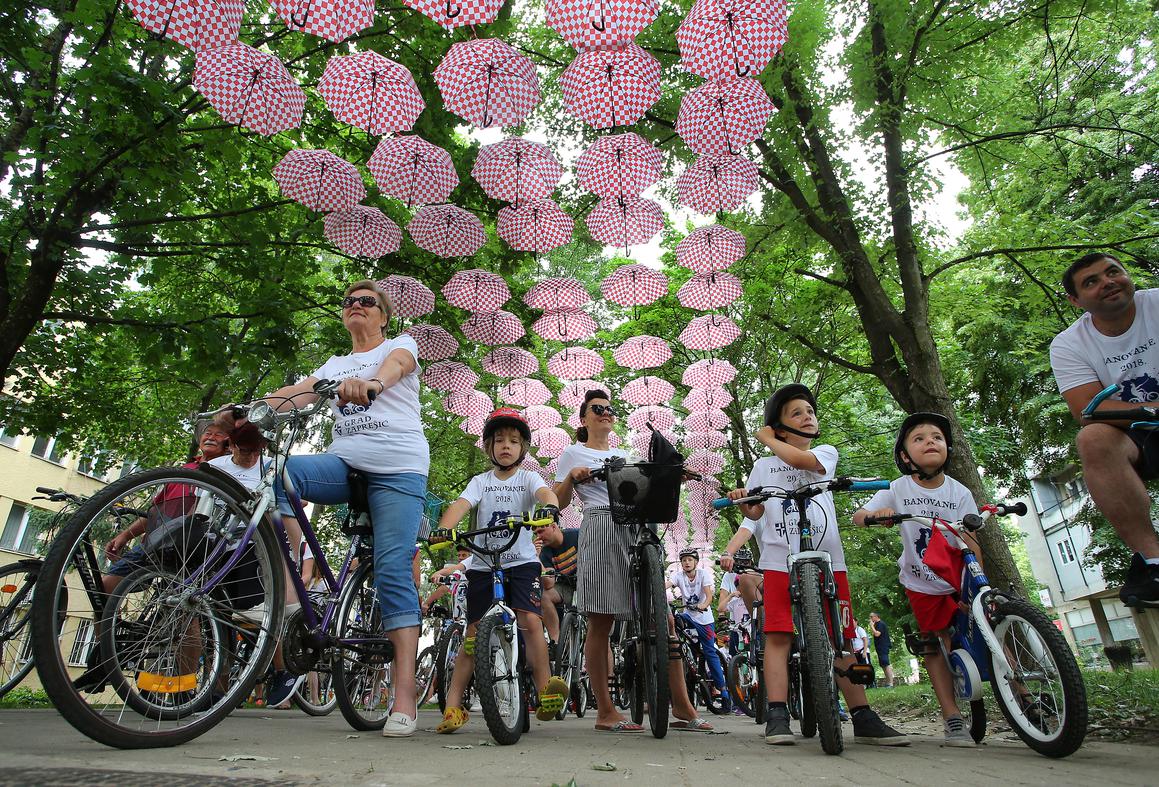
[[301, 22], [744, 73], [452, 14], [601, 26]]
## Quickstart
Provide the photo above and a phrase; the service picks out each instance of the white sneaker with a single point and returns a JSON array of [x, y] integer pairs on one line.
[[256, 615], [399, 725]]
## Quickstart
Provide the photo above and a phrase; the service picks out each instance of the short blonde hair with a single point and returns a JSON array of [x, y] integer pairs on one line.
[[384, 301]]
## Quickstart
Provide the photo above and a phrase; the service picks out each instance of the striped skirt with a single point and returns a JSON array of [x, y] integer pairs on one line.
[[602, 565]]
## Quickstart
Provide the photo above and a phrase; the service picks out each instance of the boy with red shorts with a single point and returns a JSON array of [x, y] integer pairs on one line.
[[790, 428]]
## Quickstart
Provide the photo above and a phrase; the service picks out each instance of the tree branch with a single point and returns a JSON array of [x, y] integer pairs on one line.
[[817, 350], [1025, 249], [225, 214]]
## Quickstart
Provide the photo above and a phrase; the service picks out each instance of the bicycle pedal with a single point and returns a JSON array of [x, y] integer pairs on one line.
[[861, 674]]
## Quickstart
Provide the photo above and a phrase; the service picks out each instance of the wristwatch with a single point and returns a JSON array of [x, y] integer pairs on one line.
[[381, 384]]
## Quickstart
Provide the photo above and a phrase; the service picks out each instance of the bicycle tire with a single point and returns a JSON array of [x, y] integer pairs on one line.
[[321, 704], [449, 644], [653, 610], [579, 699], [425, 669], [818, 658], [563, 663], [362, 684], [16, 594], [808, 712], [498, 680], [1016, 624], [742, 683], [107, 719], [758, 658]]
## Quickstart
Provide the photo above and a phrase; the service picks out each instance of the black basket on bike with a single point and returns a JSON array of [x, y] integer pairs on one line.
[[644, 492]]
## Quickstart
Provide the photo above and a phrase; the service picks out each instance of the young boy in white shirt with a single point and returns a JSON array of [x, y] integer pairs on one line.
[[695, 586]]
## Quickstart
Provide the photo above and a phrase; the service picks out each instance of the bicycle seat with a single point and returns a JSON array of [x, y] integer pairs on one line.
[[357, 522]]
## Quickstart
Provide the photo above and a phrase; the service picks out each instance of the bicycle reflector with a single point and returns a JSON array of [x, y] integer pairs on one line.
[[166, 684], [7, 588], [857, 673]]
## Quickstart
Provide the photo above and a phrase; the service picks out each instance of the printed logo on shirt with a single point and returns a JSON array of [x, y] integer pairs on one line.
[[921, 570], [352, 408], [1139, 389]]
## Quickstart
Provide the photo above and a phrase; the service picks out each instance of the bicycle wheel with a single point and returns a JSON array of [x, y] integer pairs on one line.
[[449, 645], [742, 683], [362, 681], [200, 510], [652, 606], [315, 696], [817, 658], [16, 585], [579, 698], [760, 710], [568, 660], [425, 674], [1045, 700], [497, 678], [808, 709]]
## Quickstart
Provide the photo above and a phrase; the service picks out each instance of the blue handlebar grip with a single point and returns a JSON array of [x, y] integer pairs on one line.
[[721, 502], [1099, 398], [869, 486]]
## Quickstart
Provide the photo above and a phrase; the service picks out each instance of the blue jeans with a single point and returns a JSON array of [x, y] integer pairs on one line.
[[711, 655], [396, 509]]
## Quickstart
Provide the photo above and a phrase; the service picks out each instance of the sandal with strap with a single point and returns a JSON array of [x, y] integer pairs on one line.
[[696, 725], [552, 699], [453, 719]]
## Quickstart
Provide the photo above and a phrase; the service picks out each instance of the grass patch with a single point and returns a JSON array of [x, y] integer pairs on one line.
[[25, 698]]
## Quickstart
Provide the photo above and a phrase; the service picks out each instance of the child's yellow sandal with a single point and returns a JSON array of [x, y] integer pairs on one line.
[[552, 699], [453, 719]]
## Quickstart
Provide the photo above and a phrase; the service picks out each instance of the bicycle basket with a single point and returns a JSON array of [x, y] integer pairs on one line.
[[644, 492]]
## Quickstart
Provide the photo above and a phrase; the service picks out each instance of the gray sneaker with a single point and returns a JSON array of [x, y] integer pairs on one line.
[[777, 732], [957, 735]]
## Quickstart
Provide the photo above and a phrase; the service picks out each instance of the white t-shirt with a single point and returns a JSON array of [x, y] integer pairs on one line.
[[735, 605], [249, 477], [387, 436], [497, 499], [950, 502], [692, 591], [592, 493], [858, 642], [1081, 354], [777, 529]]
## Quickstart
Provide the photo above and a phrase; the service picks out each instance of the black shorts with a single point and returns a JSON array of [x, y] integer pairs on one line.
[[522, 588], [1148, 442], [882, 656]]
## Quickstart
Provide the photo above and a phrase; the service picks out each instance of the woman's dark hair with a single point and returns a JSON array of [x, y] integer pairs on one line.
[[581, 434]]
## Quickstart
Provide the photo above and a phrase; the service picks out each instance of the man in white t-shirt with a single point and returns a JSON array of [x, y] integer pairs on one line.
[[695, 586], [1115, 341]]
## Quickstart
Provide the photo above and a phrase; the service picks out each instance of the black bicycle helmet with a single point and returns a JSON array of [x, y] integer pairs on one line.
[[907, 426], [690, 552], [783, 396]]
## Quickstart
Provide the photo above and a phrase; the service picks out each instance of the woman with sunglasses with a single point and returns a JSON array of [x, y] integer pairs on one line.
[[383, 438]]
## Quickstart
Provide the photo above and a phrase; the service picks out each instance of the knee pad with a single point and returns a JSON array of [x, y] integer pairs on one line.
[[469, 646]]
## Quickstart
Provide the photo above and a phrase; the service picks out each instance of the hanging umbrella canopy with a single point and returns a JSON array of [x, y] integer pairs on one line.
[[473, 426], [642, 352], [457, 13], [510, 362], [362, 231], [371, 92], [600, 24], [710, 332], [517, 169], [195, 24], [477, 290], [619, 165], [705, 440], [706, 291], [413, 170], [715, 183], [705, 462], [641, 442], [449, 376], [486, 82], [334, 20], [538, 226], [249, 88], [409, 296], [573, 363], [550, 442], [711, 398], [625, 221], [573, 420], [648, 390], [498, 327], [557, 293], [634, 285], [710, 249], [447, 230], [319, 180], [706, 421], [572, 394], [724, 117], [565, 325], [657, 417], [469, 404], [708, 372], [524, 392], [725, 39], [608, 88], [540, 416], [434, 343]]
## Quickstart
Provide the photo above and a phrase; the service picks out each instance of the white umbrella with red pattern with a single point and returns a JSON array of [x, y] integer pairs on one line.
[[708, 249], [708, 372], [710, 398], [434, 343], [710, 332], [334, 20], [250, 88], [565, 325], [319, 180], [371, 92], [540, 416], [706, 291], [449, 376], [572, 394], [477, 290], [715, 183], [634, 285], [525, 392], [557, 293], [447, 230], [611, 87], [413, 170], [642, 352], [600, 24], [573, 363], [619, 165], [517, 169], [362, 231], [537, 226], [409, 296], [648, 390], [510, 362], [488, 83], [195, 24], [469, 404], [498, 327]]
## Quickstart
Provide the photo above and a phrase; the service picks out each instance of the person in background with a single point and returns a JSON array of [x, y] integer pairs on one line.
[[881, 644]]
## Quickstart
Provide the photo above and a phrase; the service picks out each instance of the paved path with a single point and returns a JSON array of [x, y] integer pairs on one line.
[[38, 747]]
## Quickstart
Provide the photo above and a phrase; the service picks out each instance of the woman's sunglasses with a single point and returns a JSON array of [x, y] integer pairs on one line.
[[603, 409], [365, 301]]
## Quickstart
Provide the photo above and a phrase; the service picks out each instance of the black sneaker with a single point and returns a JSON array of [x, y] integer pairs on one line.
[[1142, 586], [777, 732], [280, 687], [870, 729]]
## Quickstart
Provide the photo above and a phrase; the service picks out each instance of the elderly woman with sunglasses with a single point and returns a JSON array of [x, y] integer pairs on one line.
[[383, 438]]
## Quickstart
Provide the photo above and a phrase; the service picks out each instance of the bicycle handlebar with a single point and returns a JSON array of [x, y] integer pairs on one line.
[[759, 494], [971, 522], [446, 538], [1144, 415]]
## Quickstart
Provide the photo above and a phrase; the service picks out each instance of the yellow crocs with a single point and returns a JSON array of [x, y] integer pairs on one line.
[[453, 719], [551, 699]]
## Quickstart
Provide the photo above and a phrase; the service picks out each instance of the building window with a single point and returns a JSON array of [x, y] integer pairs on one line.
[[1066, 551], [17, 535], [46, 448], [8, 438], [79, 655], [95, 465], [126, 468]]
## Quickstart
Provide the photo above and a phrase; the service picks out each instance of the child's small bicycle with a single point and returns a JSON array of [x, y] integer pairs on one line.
[[1006, 640]]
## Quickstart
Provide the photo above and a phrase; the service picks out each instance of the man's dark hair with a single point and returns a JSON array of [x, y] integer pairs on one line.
[[1084, 261]]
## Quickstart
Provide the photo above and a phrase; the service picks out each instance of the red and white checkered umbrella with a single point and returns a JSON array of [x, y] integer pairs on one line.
[[565, 325], [517, 169], [457, 13], [447, 230], [413, 170], [724, 116], [371, 92], [722, 39], [334, 20], [571, 517], [477, 291], [634, 285], [710, 249], [641, 442], [648, 390], [362, 231], [196, 24], [449, 376], [524, 392], [532, 464], [642, 352], [540, 416], [434, 343], [510, 362], [486, 82], [625, 221], [709, 372], [539, 226], [710, 332], [473, 426], [711, 398], [498, 327], [469, 404], [572, 394], [706, 291], [699, 440], [573, 363], [550, 442], [611, 87], [249, 88], [557, 293], [600, 24], [706, 421], [717, 183], [705, 462], [658, 417], [573, 420], [409, 296], [319, 180], [619, 165]]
